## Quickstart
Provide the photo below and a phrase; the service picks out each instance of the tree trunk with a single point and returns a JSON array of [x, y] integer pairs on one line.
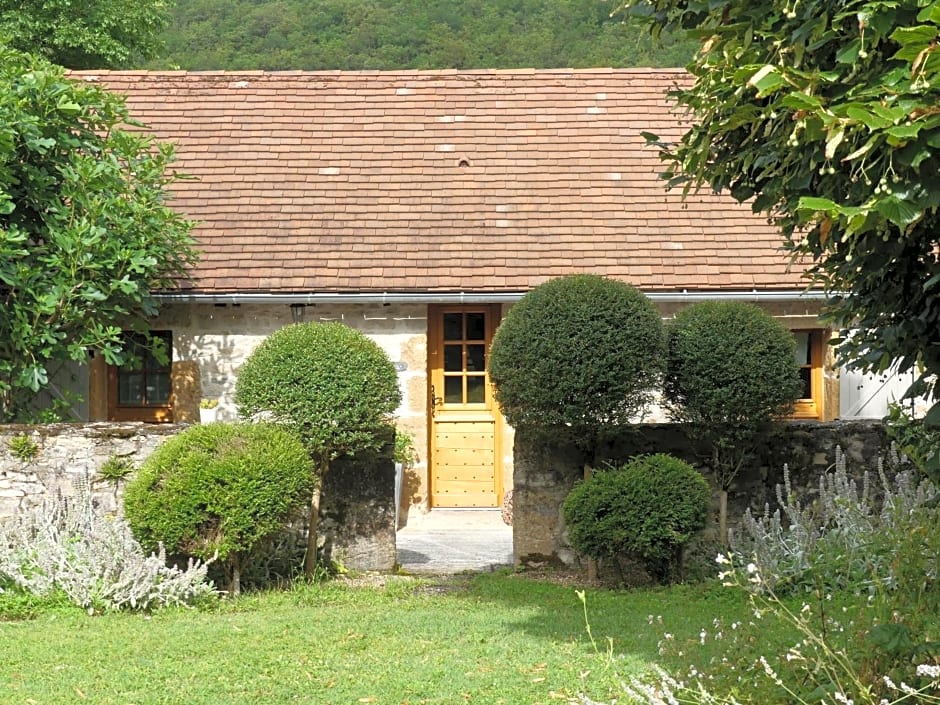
[[310, 563], [236, 587], [723, 517], [592, 563]]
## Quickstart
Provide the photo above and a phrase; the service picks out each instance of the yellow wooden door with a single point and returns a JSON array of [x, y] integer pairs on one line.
[[465, 438]]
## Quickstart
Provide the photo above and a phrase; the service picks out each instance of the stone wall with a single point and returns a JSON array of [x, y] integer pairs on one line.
[[546, 472], [357, 513]]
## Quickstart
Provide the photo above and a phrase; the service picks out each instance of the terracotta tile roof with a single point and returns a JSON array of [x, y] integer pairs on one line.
[[481, 181]]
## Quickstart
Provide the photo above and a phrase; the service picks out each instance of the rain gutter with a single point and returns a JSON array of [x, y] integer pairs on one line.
[[471, 298]]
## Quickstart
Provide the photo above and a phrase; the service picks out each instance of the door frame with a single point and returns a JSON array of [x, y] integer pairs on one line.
[[435, 363]]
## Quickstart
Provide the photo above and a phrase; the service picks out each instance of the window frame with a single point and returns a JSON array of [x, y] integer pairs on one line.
[[150, 413]]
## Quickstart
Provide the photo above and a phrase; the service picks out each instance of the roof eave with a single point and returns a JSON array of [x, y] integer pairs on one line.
[[461, 297]]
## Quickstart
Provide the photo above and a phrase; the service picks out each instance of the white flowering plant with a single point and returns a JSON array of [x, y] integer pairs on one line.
[[861, 625], [69, 547]]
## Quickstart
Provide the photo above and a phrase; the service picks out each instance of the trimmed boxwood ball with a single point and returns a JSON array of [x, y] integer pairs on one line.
[[647, 509], [333, 385], [730, 362], [582, 352], [218, 489]]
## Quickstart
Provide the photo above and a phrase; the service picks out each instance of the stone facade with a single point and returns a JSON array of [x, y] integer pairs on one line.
[[210, 343], [357, 518], [546, 472]]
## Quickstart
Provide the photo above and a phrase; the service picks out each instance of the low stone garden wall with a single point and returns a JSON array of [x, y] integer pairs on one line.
[[357, 517], [546, 472]]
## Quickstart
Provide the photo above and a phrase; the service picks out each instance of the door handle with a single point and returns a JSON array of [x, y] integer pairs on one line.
[[436, 401]]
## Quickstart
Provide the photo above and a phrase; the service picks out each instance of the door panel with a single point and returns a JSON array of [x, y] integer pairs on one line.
[[464, 420]]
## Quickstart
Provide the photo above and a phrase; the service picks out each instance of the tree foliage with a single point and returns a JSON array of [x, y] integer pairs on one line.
[[581, 353], [333, 386], [218, 490], [730, 370], [336, 387], [90, 34], [826, 115], [646, 509], [86, 234], [408, 34]]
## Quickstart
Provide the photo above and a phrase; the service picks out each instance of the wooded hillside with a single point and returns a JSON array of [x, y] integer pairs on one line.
[[408, 34]]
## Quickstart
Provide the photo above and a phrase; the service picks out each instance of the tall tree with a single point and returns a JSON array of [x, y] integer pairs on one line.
[[86, 234], [90, 34], [827, 115]]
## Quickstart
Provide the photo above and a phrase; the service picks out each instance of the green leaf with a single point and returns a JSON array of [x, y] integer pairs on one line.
[[849, 53], [68, 106], [898, 211], [932, 418], [766, 80], [913, 40], [815, 204]]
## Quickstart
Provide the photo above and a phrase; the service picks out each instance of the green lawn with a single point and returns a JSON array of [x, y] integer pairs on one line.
[[495, 638]]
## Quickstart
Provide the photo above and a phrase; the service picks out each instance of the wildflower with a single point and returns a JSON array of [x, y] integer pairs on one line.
[[701, 636], [751, 569], [907, 689], [840, 697], [770, 671], [722, 559], [929, 670], [889, 682]]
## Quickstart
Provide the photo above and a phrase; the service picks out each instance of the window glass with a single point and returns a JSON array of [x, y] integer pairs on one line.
[[476, 358], [476, 389], [806, 374], [130, 388], [476, 326], [453, 358], [803, 356], [147, 381], [453, 326], [453, 390]]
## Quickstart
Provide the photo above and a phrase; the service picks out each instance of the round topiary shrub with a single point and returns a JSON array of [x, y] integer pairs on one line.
[[218, 489], [731, 369], [581, 352], [333, 386], [646, 509], [730, 362]]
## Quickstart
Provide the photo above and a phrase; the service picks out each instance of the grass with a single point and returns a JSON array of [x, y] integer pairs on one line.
[[493, 638]]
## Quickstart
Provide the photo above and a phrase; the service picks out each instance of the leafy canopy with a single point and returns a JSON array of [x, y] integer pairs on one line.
[[582, 352], [89, 34], [408, 34], [86, 234], [336, 387], [827, 114]]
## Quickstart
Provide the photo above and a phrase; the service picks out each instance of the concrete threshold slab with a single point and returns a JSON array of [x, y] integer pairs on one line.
[[447, 541]]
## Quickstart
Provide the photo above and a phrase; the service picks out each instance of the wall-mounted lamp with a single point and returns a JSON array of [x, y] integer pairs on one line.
[[297, 312]]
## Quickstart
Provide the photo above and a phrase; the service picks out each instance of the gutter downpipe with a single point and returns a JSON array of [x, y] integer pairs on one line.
[[387, 298]]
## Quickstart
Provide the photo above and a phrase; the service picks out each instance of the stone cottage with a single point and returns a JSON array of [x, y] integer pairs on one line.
[[417, 207]]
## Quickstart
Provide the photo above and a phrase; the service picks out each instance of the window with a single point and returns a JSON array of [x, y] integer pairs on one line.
[[142, 391], [465, 358], [810, 351]]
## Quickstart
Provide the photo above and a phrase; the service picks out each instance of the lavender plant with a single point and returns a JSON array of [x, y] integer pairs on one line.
[[68, 545], [815, 670], [866, 633], [848, 534]]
